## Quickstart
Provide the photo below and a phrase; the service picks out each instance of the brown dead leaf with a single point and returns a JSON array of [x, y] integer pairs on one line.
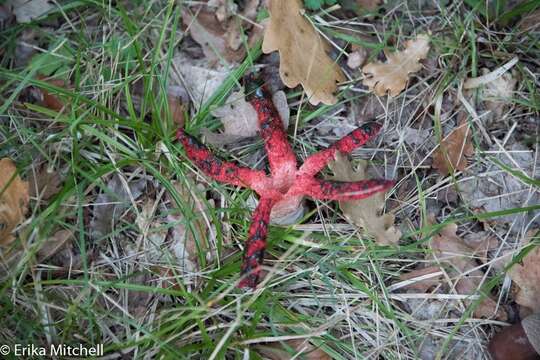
[[276, 351], [452, 152], [526, 275], [365, 213], [530, 22], [176, 109], [45, 98], [422, 285], [208, 32], [44, 183], [391, 77], [368, 4], [450, 249], [14, 200], [218, 28], [302, 51], [54, 244]]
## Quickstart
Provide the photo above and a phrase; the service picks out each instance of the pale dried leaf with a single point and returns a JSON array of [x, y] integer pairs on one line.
[[14, 199], [453, 150], [365, 213], [302, 51], [199, 81], [449, 248], [391, 77], [357, 58], [27, 10], [240, 119], [302, 350], [526, 275], [498, 93]]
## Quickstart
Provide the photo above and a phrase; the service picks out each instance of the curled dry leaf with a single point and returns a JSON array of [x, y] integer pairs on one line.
[[365, 213], [14, 200], [302, 51], [526, 275], [301, 349], [448, 248], [453, 150], [391, 77]]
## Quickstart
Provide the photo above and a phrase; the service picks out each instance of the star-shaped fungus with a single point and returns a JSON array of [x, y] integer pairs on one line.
[[287, 183]]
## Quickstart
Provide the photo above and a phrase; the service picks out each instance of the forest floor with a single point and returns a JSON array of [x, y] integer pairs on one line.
[[110, 235]]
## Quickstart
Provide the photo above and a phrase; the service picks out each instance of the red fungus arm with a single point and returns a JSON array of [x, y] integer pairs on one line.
[[347, 144], [281, 158], [218, 169], [343, 191], [256, 244]]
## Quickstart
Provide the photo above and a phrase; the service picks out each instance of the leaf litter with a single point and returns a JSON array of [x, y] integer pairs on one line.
[[365, 213], [303, 53], [14, 200], [391, 77]]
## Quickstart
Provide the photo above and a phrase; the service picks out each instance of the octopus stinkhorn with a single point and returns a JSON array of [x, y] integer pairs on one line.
[[287, 183]]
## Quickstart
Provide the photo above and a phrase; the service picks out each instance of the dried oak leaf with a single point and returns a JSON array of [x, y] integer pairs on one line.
[[393, 75], [453, 150], [365, 213], [14, 200], [301, 349], [448, 248], [302, 51], [527, 277]]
